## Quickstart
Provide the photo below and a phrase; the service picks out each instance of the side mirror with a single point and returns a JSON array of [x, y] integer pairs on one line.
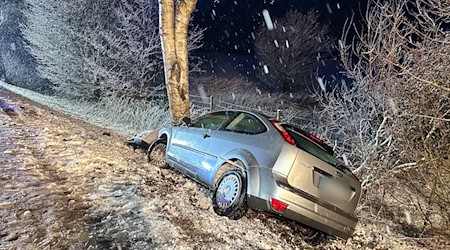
[[186, 121]]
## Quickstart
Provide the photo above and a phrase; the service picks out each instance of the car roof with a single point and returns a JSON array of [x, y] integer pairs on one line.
[[244, 111]]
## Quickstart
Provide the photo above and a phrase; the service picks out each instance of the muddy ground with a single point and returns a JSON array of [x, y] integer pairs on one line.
[[67, 184]]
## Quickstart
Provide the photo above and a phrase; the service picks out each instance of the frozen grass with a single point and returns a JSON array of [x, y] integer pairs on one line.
[[123, 115]]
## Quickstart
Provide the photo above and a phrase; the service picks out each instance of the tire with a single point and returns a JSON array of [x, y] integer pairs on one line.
[[156, 154], [230, 195]]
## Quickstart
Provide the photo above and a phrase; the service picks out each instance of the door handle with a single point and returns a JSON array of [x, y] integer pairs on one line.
[[206, 136]]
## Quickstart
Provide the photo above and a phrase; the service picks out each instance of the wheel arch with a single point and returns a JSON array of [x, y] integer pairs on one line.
[[249, 168], [163, 137], [165, 134]]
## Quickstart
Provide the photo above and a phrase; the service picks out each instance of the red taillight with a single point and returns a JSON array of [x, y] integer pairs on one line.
[[283, 133], [278, 205], [315, 138], [287, 137]]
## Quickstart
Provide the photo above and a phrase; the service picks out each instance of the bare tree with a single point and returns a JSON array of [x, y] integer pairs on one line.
[[102, 48], [51, 31], [293, 49], [127, 59], [15, 62], [398, 135], [174, 24]]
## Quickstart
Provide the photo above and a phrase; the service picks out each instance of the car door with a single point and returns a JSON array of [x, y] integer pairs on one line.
[[244, 132], [189, 143]]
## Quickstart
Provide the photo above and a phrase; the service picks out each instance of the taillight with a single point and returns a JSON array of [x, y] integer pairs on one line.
[[283, 133], [315, 138], [287, 137], [278, 205]]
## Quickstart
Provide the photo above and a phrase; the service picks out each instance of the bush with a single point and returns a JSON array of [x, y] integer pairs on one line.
[[395, 123]]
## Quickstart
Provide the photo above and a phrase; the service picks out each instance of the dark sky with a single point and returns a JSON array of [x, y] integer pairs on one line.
[[229, 23]]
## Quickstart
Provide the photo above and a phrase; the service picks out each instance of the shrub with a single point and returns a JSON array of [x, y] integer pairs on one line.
[[395, 122]]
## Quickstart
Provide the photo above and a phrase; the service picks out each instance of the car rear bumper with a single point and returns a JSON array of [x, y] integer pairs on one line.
[[308, 211]]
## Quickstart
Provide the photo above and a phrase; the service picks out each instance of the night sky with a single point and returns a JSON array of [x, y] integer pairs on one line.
[[228, 49], [229, 23]]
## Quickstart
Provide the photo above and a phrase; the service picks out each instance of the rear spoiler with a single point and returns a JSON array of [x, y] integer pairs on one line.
[[312, 138]]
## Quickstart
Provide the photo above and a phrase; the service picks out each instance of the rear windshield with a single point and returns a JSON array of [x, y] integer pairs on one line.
[[311, 147]]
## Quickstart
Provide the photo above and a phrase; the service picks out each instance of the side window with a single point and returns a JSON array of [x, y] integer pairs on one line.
[[214, 120], [246, 123]]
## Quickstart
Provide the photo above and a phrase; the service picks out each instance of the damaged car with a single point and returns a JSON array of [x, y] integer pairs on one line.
[[250, 161]]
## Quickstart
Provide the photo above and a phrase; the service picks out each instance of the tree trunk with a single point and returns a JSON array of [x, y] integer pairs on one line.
[[174, 35]]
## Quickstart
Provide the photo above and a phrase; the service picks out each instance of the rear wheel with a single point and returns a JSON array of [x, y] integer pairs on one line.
[[156, 154], [229, 197]]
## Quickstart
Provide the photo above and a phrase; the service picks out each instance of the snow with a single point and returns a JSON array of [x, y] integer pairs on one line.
[[329, 8], [287, 44], [346, 162], [202, 92], [266, 69], [267, 19], [321, 83], [276, 43], [407, 217]]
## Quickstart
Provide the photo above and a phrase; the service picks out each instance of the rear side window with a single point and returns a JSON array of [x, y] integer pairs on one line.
[[214, 120], [247, 124]]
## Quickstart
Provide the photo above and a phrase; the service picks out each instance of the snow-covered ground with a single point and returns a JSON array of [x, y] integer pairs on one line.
[[68, 185]]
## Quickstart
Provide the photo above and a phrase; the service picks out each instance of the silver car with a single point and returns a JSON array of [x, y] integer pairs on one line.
[[252, 161]]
